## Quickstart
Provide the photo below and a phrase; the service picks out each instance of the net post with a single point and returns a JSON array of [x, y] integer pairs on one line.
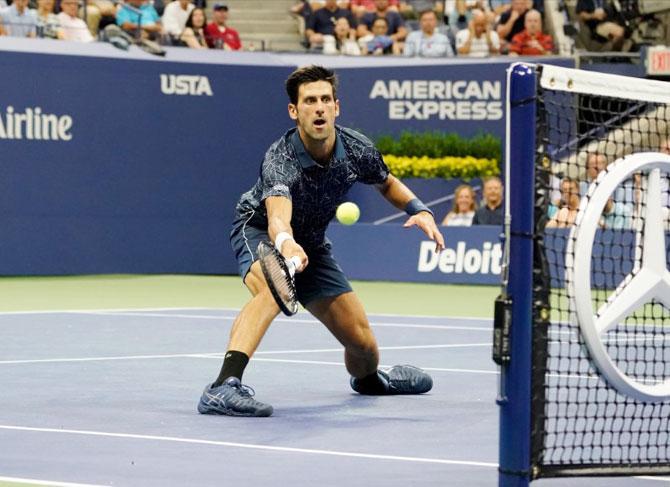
[[515, 373]]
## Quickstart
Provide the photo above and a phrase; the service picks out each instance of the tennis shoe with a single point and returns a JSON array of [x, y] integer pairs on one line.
[[399, 379], [232, 398], [407, 379]]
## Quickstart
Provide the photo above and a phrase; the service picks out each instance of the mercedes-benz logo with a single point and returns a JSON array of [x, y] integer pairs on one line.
[[649, 279]]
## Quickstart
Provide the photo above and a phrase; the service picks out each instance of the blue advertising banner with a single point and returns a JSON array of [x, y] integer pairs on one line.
[[122, 162]]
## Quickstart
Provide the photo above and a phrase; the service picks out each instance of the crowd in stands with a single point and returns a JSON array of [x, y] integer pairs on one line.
[[425, 28], [179, 23], [465, 210]]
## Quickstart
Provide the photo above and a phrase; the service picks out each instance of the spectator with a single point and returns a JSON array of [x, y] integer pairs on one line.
[[616, 215], [175, 16], [139, 19], [18, 20], [602, 21], [48, 25], [531, 41], [362, 7], [396, 25], [479, 39], [595, 164], [194, 32], [427, 42], [461, 13], [410, 9], [73, 28], [568, 206], [341, 42], [379, 42], [463, 211], [512, 21], [98, 14], [219, 35], [322, 22], [491, 212]]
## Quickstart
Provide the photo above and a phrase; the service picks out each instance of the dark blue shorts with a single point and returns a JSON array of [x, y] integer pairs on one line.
[[323, 277]]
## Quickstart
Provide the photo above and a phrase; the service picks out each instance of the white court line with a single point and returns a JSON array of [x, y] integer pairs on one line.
[[287, 320], [283, 449], [56, 483], [649, 477]]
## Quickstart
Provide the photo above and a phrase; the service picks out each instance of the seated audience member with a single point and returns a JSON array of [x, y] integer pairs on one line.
[[98, 14], [532, 41], [396, 25], [362, 7], [341, 42], [463, 211], [48, 25], [139, 19], [219, 35], [18, 20], [491, 212], [595, 164], [322, 22], [479, 39], [512, 21], [602, 21], [175, 15], [427, 42], [461, 13], [410, 9], [194, 35], [72, 27], [379, 42], [568, 206]]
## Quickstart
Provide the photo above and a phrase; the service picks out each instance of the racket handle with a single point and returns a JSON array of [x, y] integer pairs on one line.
[[293, 263]]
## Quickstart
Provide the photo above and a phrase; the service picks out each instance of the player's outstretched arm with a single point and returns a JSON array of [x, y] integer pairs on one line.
[[403, 198], [279, 210]]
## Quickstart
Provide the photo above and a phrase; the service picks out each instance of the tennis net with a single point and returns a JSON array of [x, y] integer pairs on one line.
[[594, 334]]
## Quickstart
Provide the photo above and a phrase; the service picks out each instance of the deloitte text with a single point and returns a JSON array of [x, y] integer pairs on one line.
[[486, 260], [446, 100], [185, 84], [32, 124]]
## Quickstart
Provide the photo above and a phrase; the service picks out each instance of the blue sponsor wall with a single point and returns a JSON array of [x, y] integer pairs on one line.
[[123, 162]]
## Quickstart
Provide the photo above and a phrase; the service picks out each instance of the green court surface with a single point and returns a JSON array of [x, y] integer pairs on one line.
[[186, 291]]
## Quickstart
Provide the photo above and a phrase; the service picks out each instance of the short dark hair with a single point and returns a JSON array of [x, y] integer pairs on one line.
[[427, 11], [309, 74]]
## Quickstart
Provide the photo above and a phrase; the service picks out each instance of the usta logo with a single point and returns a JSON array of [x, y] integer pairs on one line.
[[185, 84]]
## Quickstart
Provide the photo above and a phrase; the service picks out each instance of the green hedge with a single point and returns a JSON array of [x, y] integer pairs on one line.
[[440, 144], [441, 155]]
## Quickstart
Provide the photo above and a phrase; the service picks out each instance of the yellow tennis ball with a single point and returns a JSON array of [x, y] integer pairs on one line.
[[348, 213]]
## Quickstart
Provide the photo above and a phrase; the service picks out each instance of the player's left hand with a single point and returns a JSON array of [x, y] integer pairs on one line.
[[426, 223]]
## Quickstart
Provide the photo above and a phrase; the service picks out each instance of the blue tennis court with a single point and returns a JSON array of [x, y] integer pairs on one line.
[[109, 398]]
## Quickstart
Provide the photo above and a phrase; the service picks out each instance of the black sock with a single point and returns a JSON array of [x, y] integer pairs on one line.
[[372, 384], [233, 366]]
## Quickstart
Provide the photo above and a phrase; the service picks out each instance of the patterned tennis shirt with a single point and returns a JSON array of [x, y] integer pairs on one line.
[[315, 191]]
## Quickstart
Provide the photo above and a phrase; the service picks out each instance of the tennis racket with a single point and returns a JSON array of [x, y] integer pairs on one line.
[[279, 274]]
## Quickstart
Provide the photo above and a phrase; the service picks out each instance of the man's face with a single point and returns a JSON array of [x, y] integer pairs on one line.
[[479, 23], [47, 5], [520, 5], [220, 16], [331, 4], [533, 23], [493, 192], [69, 7], [379, 28], [594, 164], [570, 191], [428, 23], [21, 4], [381, 5], [316, 110]]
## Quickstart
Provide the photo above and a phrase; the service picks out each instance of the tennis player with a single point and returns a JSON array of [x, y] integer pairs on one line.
[[305, 175]]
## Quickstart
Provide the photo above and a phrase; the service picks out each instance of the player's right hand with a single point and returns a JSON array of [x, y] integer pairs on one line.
[[291, 248]]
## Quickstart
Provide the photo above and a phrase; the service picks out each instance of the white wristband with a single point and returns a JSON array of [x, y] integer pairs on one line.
[[281, 238]]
